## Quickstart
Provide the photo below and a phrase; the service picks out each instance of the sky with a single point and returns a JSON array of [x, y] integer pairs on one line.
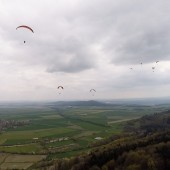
[[83, 45]]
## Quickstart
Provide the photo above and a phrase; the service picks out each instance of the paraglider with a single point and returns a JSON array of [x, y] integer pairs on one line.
[[25, 27], [60, 88], [153, 68], [93, 91]]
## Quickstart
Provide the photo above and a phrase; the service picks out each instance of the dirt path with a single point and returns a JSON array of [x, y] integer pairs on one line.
[[122, 120]]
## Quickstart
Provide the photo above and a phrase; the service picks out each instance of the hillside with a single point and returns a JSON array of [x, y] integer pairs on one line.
[[150, 123], [147, 147]]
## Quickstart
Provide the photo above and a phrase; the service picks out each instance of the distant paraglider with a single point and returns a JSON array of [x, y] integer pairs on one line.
[[153, 68], [25, 27], [60, 88], [93, 91]]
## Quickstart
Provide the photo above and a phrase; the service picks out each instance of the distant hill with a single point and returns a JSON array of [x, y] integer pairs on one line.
[[80, 103], [140, 101]]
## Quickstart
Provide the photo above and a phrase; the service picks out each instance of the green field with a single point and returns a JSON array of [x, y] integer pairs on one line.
[[61, 132]]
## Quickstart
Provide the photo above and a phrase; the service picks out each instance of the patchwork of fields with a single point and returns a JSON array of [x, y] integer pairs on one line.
[[60, 132]]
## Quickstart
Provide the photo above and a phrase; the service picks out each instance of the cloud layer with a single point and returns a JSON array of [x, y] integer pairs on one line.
[[84, 45]]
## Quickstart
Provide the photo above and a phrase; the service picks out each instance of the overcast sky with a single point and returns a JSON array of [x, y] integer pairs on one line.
[[83, 45]]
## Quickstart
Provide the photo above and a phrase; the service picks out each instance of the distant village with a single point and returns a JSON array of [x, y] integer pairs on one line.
[[6, 124]]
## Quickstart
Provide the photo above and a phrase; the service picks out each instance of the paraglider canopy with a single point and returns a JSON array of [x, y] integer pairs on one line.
[[92, 90], [25, 26], [60, 87]]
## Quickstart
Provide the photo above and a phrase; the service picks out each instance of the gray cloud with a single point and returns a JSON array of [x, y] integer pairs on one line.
[[93, 44], [143, 33], [128, 32]]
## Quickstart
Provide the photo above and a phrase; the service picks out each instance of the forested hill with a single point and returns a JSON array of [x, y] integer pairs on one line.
[[150, 123], [79, 103], [146, 146]]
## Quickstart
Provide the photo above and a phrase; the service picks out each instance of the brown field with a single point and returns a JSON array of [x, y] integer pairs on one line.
[[14, 161], [13, 165]]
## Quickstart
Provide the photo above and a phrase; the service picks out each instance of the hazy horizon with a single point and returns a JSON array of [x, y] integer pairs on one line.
[[139, 101]]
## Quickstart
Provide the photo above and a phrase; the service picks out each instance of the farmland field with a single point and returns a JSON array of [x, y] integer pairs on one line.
[[13, 161], [56, 132]]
